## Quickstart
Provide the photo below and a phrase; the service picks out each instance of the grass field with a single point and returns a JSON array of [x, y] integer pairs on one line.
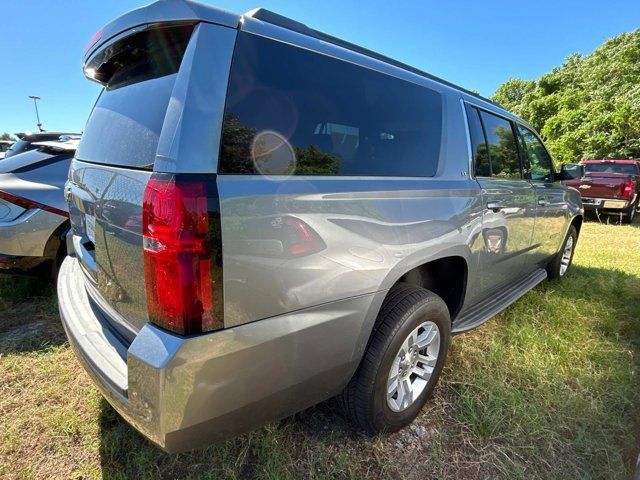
[[548, 389]]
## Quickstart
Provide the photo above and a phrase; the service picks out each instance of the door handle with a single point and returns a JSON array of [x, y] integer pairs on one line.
[[495, 206], [542, 202]]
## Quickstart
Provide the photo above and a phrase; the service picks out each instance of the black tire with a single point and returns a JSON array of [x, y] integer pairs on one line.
[[365, 400], [630, 213], [554, 268]]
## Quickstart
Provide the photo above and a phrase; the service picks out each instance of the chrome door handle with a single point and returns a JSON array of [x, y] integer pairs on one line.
[[543, 203], [495, 206]]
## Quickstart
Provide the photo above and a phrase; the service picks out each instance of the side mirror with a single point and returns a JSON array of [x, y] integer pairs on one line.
[[571, 171]]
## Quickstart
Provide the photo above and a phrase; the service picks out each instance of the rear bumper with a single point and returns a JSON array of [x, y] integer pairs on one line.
[[591, 204], [184, 392]]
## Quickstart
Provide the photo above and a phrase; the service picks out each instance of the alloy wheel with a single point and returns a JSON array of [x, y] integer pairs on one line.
[[413, 365], [567, 253]]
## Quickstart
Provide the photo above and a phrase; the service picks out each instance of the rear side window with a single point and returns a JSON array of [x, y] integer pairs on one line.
[[503, 151], [537, 161], [478, 143], [292, 111]]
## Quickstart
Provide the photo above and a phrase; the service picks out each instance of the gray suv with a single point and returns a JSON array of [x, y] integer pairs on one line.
[[265, 216]]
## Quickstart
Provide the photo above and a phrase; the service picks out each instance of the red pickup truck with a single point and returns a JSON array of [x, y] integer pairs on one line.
[[607, 186]]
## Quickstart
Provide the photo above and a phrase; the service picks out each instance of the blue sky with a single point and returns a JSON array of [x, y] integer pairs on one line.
[[477, 44]]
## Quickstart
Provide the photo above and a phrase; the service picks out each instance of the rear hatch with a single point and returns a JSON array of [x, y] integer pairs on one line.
[[115, 160]]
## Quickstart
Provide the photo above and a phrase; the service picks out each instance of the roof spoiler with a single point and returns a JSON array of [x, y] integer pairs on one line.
[[162, 11]]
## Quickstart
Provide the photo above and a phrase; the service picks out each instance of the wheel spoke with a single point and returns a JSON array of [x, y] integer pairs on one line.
[[423, 372], [407, 389], [428, 360], [413, 366], [412, 339], [427, 337], [392, 385]]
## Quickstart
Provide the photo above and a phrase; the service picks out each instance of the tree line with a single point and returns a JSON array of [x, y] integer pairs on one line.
[[589, 107]]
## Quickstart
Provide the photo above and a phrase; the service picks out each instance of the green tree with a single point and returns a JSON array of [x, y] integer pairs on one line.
[[6, 136], [589, 107]]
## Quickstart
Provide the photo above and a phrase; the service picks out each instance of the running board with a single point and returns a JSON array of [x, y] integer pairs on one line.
[[477, 314]]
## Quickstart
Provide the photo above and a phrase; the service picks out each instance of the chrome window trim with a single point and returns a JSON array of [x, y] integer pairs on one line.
[[472, 173], [508, 116]]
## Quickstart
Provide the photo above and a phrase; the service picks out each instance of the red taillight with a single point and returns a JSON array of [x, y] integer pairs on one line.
[[30, 204], [627, 189], [175, 228]]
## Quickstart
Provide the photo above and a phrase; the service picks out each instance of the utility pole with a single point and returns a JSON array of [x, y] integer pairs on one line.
[[35, 103]]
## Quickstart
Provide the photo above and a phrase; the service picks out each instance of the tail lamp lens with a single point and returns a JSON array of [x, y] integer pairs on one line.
[[30, 204], [176, 255], [627, 189]]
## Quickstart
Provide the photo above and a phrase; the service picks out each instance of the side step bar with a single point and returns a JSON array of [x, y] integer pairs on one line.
[[475, 315]]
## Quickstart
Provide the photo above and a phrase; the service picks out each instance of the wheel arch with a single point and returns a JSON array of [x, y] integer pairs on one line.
[[446, 275], [414, 269], [577, 222]]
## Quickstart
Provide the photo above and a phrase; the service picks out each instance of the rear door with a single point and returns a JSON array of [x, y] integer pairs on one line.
[[509, 201], [552, 208]]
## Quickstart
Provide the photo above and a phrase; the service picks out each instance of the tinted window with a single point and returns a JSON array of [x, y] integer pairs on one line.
[[33, 160], [19, 147], [124, 127], [150, 53], [571, 171], [503, 152], [291, 111], [606, 167], [478, 143], [537, 162]]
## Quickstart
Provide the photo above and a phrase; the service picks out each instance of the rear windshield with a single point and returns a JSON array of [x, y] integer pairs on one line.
[[124, 127], [292, 111], [23, 160], [139, 73], [19, 147], [34, 160], [626, 168]]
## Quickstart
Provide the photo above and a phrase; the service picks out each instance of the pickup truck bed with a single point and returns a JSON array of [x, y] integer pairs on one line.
[[610, 187]]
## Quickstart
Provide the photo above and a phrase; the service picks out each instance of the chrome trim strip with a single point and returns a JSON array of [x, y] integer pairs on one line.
[[468, 135]]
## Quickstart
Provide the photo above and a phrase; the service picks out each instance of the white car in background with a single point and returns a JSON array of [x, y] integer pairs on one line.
[[29, 140], [34, 216], [4, 146]]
